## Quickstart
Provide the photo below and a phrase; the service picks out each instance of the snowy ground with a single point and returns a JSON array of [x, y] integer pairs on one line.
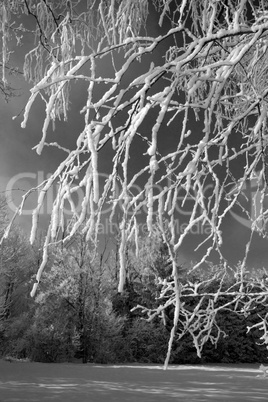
[[36, 382]]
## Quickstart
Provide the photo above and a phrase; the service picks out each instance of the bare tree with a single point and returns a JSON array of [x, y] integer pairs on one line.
[[207, 63]]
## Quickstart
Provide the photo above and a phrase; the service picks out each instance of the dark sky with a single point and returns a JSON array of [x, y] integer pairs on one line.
[[21, 168]]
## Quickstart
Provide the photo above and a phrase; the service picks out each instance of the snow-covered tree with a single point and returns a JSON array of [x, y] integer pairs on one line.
[[73, 303], [206, 63]]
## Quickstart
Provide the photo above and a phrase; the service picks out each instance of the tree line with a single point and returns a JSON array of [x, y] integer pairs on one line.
[[79, 314]]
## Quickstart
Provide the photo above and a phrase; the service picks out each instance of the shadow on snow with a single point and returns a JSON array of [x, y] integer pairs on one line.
[[34, 382]]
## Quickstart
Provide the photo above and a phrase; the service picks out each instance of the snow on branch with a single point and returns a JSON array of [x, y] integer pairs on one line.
[[197, 84], [202, 300]]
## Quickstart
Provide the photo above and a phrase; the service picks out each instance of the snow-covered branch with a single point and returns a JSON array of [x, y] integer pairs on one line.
[[198, 83]]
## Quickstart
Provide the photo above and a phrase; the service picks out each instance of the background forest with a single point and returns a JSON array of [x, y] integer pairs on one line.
[[79, 314]]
